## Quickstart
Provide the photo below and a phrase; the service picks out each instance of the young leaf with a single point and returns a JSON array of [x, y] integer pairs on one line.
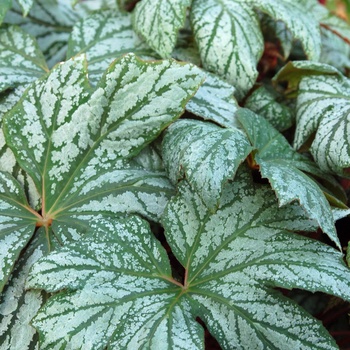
[[121, 295], [282, 166], [21, 60], [117, 279], [323, 108], [18, 306], [214, 101], [103, 37], [207, 155], [158, 22], [77, 144]]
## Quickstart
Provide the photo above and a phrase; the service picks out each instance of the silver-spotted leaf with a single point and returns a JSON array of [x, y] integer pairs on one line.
[[234, 256], [323, 108], [284, 168], [116, 288], [103, 37], [330, 21], [294, 71], [215, 101], [158, 22], [230, 39], [17, 224], [265, 103], [51, 23], [26, 5], [17, 305], [120, 293], [303, 25], [335, 51], [21, 60], [207, 155], [77, 144]]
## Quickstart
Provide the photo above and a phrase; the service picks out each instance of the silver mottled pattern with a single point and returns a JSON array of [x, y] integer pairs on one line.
[[103, 37], [284, 167], [207, 155], [168, 16]]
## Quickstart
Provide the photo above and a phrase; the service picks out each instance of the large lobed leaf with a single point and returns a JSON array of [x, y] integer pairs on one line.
[[75, 144], [116, 288], [121, 296], [78, 146]]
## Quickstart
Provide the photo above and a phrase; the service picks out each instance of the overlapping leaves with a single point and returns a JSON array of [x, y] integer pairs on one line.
[[322, 112], [284, 168], [77, 145], [104, 36], [74, 143], [207, 155], [323, 109], [119, 292], [21, 60], [51, 23], [159, 22], [230, 40]]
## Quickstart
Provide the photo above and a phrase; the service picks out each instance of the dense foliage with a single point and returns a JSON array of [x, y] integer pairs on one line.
[[171, 172]]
